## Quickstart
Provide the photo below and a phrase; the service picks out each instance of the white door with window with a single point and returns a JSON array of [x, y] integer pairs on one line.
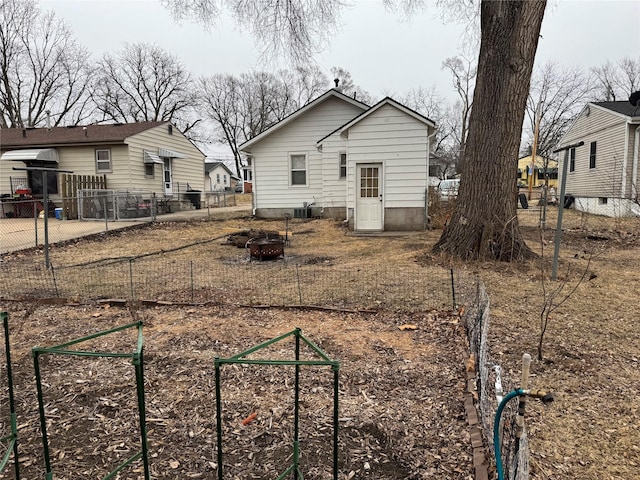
[[168, 190], [369, 197]]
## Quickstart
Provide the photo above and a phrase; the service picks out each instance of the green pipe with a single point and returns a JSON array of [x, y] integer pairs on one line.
[[296, 413], [12, 403], [496, 429], [139, 366], [336, 369], [218, 418], [43, 419]]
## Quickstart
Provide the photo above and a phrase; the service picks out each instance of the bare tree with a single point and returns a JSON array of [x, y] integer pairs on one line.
[[430, 103], [484, 224], [463, 73], [347, 86], [295, 29], [616, 81], [556, 96], [44, 73], [245, 106], [144, 83]]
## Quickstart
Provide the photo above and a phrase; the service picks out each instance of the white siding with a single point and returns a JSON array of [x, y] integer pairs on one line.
[[184, 170], [272, 187], [127, 162], [401, 143], [608, 131], [334, 187], [211, 182]]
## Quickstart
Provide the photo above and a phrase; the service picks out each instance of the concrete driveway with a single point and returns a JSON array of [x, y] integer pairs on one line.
[[22, 233]]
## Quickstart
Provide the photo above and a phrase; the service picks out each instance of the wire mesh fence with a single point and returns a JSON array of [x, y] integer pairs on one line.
[[279, 283], [490, 382]]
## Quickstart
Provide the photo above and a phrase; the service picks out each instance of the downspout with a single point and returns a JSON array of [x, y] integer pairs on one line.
[[346, 184], [253, 187], [636, 160], [426, 195]]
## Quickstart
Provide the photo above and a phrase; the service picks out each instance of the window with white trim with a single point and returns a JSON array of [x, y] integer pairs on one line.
[[103, 161], [343, 164], [298, 167]]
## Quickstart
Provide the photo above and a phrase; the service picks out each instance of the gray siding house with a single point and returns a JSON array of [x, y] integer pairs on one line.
[[345, 160], [602, 175]]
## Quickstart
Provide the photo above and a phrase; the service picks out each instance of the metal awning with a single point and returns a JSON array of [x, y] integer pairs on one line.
[[41, 154], [150, 157], [163, 152]]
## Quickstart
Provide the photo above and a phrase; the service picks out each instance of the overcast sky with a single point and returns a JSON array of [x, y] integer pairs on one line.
[[384, 54]]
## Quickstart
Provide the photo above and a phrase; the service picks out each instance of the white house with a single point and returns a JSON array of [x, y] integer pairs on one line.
[[218, 177], [602, 175], [345, 160]]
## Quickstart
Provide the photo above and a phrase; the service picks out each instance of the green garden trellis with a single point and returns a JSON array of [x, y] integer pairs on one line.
[[136, 359], [12, 438], [294, 468]]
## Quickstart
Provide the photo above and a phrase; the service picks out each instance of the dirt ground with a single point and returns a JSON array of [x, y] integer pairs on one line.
[[401, 412]]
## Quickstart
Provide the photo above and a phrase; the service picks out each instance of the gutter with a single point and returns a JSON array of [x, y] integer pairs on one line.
[[636, 160]]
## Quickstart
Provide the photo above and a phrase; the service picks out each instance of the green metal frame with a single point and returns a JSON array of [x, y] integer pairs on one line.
[[12, 438], [136, 360], [325, 360]]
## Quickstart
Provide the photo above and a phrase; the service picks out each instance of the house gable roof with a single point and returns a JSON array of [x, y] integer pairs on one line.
[[333, 93], [376, 107], [622, 108], [211, 166], [76, 135]]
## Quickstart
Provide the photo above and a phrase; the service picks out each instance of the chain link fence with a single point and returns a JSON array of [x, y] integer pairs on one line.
[[277, 283], [491, 383]]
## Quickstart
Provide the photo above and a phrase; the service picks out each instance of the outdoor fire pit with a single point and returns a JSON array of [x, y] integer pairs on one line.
[[266, 248]]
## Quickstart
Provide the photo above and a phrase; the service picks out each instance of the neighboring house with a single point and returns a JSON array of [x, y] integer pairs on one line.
[[541, 172], [345, 160], [148, 156], [602, 175], [218, 177]]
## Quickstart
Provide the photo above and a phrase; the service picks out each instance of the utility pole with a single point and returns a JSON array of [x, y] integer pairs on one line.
[[534, 151], [565, 168]]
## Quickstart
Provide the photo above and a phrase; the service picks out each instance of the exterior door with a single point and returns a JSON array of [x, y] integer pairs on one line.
[[168, 189], [369, 196]]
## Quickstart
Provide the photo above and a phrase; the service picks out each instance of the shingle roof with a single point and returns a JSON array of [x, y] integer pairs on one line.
[[625, 108], [89, 134]]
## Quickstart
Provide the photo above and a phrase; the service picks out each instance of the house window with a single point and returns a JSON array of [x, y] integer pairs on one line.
[[343, 164], [592, 155], [148, 170], [298, 163], [225, 178], [602, 200], [217, 178], [572, 160], [103, 161]]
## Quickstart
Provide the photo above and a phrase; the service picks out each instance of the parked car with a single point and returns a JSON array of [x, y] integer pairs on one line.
[[238, 187], [449, 188]]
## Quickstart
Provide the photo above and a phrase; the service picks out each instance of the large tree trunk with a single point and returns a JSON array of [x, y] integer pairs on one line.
[[484, 224]]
